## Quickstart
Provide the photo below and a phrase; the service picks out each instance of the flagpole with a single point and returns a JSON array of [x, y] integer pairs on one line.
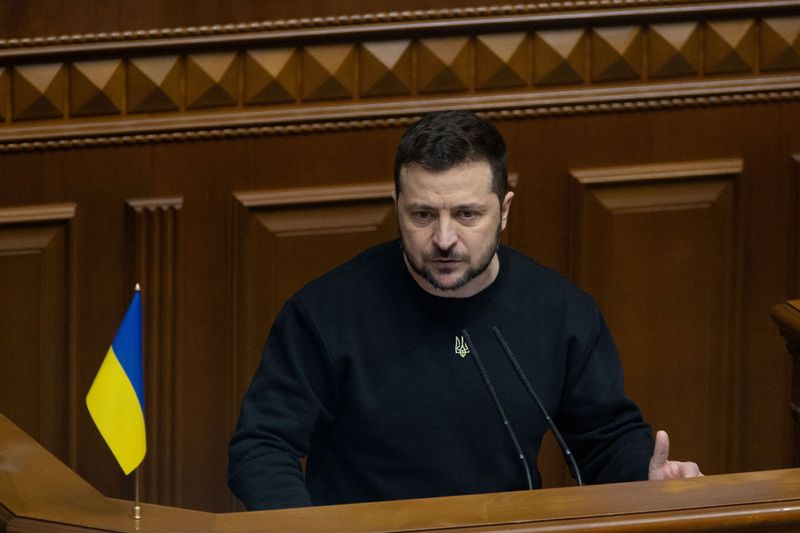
[[137, 509]]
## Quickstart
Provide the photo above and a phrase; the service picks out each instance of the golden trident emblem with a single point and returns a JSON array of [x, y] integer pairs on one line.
[[461, 347]]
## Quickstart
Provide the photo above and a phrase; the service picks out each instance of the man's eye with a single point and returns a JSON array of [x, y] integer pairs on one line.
[[468, 215], [422, 215]]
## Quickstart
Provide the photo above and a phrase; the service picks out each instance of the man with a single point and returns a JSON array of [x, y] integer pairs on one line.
[[368, 372]]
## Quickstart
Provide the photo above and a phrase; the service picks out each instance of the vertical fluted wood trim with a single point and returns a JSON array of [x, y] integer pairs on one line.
[[155, 264], [796, 229], [76, 402]]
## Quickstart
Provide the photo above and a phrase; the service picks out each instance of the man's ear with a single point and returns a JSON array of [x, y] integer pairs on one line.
[[505, 208]]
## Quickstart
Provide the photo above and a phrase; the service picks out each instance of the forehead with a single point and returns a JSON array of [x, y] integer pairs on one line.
[[470, 178]]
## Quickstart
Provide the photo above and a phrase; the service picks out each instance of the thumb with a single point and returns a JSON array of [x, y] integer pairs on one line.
[[660, 451]]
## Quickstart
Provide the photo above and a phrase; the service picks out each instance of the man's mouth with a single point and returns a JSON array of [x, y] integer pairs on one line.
[[445, 266]]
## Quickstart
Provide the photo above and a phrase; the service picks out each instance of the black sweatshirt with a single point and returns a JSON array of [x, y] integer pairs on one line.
[[364, 373]]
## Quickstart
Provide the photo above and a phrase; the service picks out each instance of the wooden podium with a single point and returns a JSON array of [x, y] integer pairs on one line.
[[39, 493], [787, 316]]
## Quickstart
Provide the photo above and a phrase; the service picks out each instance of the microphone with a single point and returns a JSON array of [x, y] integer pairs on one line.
[[564, 448], [506, 423]]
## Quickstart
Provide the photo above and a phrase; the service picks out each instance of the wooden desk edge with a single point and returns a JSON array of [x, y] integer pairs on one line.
[[787, 316]]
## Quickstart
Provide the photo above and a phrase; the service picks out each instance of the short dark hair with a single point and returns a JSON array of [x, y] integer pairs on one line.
[[445, 139]]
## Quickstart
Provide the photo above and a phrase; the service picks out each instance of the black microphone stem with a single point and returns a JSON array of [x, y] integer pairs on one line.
[[561, 442], [506, 423]]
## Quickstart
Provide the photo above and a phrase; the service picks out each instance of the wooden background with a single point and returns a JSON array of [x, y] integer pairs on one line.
[[224, 153]]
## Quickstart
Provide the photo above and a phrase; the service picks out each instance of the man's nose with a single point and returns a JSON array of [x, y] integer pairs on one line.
[[444, 235]]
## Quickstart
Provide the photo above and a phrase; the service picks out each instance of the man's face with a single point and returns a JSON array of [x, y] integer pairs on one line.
[[450, 224]]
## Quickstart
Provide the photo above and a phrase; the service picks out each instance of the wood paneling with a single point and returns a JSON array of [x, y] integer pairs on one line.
[[288, 237], [36, 254], [657, 246]]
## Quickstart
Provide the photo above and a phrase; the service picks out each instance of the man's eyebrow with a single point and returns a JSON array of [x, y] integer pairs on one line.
[[460, 207], [471, 207]]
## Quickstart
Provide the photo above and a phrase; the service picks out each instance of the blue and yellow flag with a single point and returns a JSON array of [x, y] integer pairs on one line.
[[116, 398]]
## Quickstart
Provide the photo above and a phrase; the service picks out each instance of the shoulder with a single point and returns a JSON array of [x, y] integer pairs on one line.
[[546, 281], [544, 287], [374, 267]]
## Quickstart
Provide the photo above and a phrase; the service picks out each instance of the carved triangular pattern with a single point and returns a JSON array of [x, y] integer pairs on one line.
[[30, 103], [322, 84], [504, 77], [503, 46], [731, 63], [496, 72], [446, 80], [215, 66], [329, 90], [780, 44], [86, 98], [99, 104], [215, 96], [789, 59], [377, 79], [149, 90], [387, 85], [269, 85], [40, 108], [563, 74], [156, 100], [387, 53], [618, 70], [272, 92], [205, 91], [677, 65]]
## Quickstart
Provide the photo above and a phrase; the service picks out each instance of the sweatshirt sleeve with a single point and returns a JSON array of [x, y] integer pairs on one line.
[[292, 395], [603, 428]]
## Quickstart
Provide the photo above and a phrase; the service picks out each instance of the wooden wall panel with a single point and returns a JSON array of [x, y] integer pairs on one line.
[[154, 225], [657, 246], [794, 246], [37, 370], [286, 238]]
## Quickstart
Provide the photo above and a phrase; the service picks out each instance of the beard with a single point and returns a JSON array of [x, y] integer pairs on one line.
[[437, 253]]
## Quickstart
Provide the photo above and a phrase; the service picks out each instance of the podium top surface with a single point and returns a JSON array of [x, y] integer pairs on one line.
[[37, 489]]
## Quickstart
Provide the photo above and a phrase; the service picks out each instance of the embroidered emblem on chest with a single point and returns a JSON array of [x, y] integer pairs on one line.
[[461, 347]]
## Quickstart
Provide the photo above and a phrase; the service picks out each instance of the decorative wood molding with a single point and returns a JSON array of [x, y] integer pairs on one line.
[[666, 171], [321, 119], [38, 213], [372, 71], [435, 17], [226, 85], [155, 230], [315, 195]]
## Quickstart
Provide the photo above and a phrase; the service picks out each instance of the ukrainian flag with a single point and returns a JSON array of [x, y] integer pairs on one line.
[[116, 398]]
